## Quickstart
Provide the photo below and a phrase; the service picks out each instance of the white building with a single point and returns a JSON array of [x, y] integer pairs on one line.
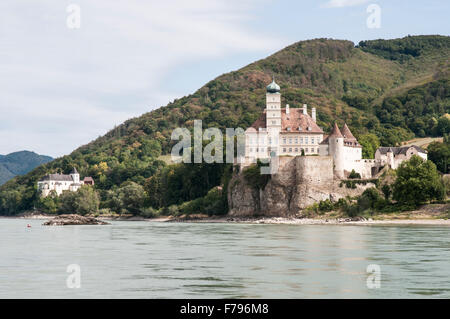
[[345, 150], [289, 131], [282, 131], [393, 156], [61, 182]]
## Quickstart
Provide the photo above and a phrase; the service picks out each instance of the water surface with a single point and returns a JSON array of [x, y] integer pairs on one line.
[[187, 260]]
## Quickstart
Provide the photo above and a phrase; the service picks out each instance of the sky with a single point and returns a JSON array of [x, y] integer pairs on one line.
[[72, 70]]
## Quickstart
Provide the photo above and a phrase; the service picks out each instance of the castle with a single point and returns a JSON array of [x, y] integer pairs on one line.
[[290, 132], [62, 182]]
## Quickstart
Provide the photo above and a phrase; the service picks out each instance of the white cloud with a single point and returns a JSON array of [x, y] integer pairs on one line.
[[343, 3], [63, 87]]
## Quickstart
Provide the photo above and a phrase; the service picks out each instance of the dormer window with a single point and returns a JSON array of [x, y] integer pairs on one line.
[[299, 128], [289, 129], [309, 128]]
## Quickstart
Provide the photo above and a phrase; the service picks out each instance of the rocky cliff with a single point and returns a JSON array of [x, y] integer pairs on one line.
[[299, 182]]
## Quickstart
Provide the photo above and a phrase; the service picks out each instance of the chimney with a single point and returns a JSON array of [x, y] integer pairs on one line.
[[287, 108], [305, 109], [313, 114]]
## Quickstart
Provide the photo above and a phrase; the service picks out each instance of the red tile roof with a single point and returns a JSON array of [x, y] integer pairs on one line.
[[291, 122], [349, 139]]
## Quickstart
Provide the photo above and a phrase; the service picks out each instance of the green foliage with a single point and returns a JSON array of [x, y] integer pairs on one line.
[[253, 176], [212, 204], [354, 174], [351, 183], [387, 191], [406, 48], [370, 143], [326, 205], [439, 154], [19, 163], [417, 109], [84, 201], [417, 182]]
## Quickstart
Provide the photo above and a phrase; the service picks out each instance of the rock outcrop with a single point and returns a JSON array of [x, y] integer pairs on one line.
[[73, 219], [299, 182]]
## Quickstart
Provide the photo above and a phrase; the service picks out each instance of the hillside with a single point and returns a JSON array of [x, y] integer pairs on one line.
[[395, 89], [19, 163]]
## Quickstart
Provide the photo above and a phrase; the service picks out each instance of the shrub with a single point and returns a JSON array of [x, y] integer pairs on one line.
[[253, 176], [417, 182], [354, 175]]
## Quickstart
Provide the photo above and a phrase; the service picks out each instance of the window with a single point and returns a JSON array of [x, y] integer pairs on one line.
[[284, 149], [270, 140], [306, 151], [290, 150], [301, 140], [274, 122], [306, 140], [296, 150], [312, 140], [290, 141], [284, 140], [296, 140]]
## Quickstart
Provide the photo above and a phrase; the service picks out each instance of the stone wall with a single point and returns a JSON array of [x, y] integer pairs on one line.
[[299, 182]]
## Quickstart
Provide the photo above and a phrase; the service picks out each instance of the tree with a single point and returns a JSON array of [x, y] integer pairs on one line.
[[439, 154], [370, 143], [417, 182], [84, 201], [131, 197]]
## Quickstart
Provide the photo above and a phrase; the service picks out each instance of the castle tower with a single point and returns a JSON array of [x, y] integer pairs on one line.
[[336, 144], [273, 108], [75, 176], [390, 157]]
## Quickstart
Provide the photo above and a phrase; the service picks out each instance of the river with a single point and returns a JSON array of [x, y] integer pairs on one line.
[[141, 259]]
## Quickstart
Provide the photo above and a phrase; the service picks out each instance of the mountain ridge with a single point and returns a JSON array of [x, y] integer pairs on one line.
[[19, 163]]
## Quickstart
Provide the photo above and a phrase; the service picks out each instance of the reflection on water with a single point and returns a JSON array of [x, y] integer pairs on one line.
[[182, 260]]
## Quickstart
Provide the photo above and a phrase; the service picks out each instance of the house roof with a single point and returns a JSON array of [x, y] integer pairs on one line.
[[57, 177], [88, 179], [335, 132], [400, 150], [290, 122], [347, 133], [349, 139]]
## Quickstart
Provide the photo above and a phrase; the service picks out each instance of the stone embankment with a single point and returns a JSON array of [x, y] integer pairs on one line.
[[299, 183]]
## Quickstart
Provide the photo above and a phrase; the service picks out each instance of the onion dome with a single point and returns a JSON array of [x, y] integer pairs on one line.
[[273, 87]]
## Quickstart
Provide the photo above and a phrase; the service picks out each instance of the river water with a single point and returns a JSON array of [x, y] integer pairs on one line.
[[187, 260]]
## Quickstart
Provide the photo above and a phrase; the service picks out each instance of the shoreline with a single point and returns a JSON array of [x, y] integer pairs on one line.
[[264, 220]]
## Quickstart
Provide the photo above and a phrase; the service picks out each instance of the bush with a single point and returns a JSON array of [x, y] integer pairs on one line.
[[417, 182], [149, 212], [326, 205], [253, 176], [84, 201], [354, 175]]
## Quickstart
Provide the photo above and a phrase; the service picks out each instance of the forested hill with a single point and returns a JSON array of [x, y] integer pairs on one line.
[[19, 163], [386, 89]]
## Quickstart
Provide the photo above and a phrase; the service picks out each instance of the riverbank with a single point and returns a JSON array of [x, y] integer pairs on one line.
[[433, 214]]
